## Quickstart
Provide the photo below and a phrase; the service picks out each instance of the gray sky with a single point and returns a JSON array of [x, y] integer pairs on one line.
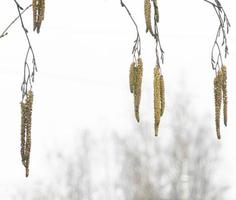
[[83, 54]]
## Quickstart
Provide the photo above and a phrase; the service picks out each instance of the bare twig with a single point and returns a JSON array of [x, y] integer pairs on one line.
[[5, 32], [156, 35], [137, 43], [28, 72], [223, 29]]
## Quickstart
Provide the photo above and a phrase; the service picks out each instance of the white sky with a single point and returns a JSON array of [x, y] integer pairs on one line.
[[83, 54]]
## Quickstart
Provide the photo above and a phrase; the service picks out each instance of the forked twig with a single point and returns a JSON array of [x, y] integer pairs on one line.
[[4, 33], [28, 72], [137, 43], [223, 29], [157, 36]]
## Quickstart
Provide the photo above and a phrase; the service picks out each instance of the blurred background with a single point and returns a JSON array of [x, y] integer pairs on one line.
[[86, 144]]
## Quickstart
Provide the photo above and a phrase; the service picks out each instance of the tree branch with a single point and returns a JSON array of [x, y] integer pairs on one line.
[[217, 61], [137, 42], [4, 33], [156, 35], [28, 73]]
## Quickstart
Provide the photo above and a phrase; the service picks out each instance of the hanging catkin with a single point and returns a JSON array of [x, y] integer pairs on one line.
[[218, 100], [38, 14], [224, 89], [138, 87], [131, 77], [157, 99], [26, 118], [23, 124], [147, 14], [29, 103], [34, 6], [162, 94]]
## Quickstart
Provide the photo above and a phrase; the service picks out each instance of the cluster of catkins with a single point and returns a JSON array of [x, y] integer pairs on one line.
[[38, 14], [135, 82], [26, 116], [158, 82], [220, 93]]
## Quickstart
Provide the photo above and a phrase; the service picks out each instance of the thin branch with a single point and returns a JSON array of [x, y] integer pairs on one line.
[[217, 60], [4, 33], [28, 73], [215, 5], [156, 35], [137, 42]]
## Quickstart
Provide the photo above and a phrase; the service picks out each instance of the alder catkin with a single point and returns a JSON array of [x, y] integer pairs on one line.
[[162, 94], [38, 14], [34, 6], [157, 99], [224, 90], [218, 99], [138, 87], [42, 10], [26, 119], [147, 14], [29, 103], [131, 77], [23, 125]]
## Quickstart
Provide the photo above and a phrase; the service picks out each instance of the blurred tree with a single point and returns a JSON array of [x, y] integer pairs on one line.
[[182, 169], [72, 176]]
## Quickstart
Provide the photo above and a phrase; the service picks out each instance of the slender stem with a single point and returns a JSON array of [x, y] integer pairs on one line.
[[157, 36], [28, 73], [4, 33], [137, 42], [223, 29]]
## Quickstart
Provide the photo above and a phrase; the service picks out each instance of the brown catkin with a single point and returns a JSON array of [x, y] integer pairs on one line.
[[29, 102], [138, 87], [38, 14], [34, 6], [147, 14], [23, 124], [162, 94], [218, 100], [131, 77], [157, 99], [42, 9], [225, 96], [26, 118]]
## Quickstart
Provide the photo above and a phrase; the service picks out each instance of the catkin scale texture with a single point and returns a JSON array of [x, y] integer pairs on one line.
[[147, 14], [38, 14], [138, 87], [34, 6], [29, 102], [218, 99], [162, 94], [131, 77], [157, 99], [23, 124], [26, 118], [225, 96]]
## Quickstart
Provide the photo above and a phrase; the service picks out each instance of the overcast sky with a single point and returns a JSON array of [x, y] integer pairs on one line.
[[83, 54]]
